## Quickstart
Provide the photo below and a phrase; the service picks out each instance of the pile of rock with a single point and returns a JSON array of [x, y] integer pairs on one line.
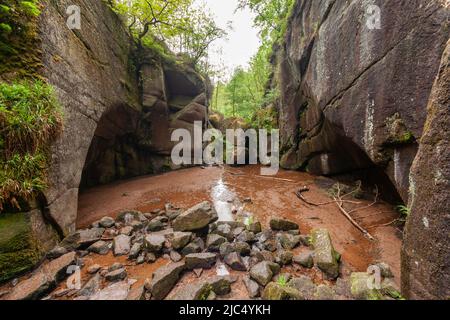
[[194, 240]]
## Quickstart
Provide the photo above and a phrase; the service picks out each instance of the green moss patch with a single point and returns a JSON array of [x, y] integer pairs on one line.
[[19, 38], [18, 248]]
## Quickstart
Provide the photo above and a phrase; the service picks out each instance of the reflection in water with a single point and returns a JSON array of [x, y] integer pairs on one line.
[[224, 201]]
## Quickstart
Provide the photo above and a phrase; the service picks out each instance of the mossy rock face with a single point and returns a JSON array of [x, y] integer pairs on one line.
[[24, 239]]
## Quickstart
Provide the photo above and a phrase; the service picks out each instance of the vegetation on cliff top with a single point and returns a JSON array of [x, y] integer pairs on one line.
[[171, 27], [247, 91], [30, 119]]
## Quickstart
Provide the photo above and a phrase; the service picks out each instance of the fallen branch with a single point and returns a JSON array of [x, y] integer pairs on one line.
[[300, 195], [365, 232], [383, 225]]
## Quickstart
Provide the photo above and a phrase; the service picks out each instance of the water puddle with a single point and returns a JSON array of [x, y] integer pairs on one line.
[[225, 201]]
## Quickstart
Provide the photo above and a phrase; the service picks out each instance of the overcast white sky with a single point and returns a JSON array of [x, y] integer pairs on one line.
[[242, 42]]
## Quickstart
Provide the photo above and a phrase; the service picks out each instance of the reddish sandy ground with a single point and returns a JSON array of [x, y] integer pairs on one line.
[[270, 197]]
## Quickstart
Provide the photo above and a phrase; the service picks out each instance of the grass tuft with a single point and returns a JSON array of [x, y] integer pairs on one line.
[[30, 119]]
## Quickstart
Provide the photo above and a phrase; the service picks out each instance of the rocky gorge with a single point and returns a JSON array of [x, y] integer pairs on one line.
[[355, 105]]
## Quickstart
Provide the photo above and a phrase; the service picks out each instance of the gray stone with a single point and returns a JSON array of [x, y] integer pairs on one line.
[[263, 272], [121, 245], [136, 294], [116, 275], [324, 292], [289, 241], [175, 256], [254, 227], [277, 224], [226, 231], [385, 269], [150, 257], [155, 225], [154, 242], [191, 248], [220, 285], [116, 291], [180, 239], [195, 218], [56, 252], [106, 222], [359, 287], [127, 230], [164, 279], [242, 248], [193, 291], [100, 247], [246, 236], [94, 269], [91, 286], [234, 261], [43, 279], [325, 257], [304, 259], [200, 260], [115, 266], [213, 242], [284, 257], [135, 251], [252, 287], [82, 238]]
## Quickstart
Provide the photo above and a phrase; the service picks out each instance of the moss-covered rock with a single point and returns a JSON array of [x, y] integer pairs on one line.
[[275, 291], [24, 238], [325, 257]]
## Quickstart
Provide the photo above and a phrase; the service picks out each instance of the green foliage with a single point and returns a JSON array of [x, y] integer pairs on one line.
[[30, 119], [282, 280], [271, 17], [403, 210], [186, 29], [17, 35], [265, 118], [246, 93]]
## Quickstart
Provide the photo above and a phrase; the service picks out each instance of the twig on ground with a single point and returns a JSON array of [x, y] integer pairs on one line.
[[340, 205]]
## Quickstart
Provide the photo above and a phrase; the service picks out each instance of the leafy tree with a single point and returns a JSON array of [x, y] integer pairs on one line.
[[247, 91], [185, 29]]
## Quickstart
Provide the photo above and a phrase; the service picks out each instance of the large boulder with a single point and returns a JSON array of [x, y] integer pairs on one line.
[[117, 291], [122, 245], [154, 242], [278, 224], [352, 86], [195, 218], [180, 239], [164, 279], [193, 291], [43, 280], [264, 271], [200, 260], [325, 257], [24, 240]]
